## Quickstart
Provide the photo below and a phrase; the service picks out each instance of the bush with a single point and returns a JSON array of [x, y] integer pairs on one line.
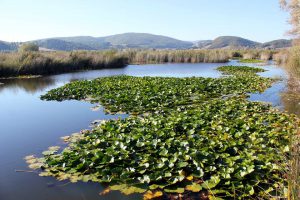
[[27, 47]]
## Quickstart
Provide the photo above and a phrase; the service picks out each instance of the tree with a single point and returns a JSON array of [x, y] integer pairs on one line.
[[28, 47], [293, 7]]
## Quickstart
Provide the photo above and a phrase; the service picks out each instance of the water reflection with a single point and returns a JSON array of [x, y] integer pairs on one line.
[[30, 85], [291, 102], [291, 96]]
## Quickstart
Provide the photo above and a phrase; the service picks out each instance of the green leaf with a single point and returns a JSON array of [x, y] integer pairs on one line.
[[175, 190], [211, 183], [194, 187]]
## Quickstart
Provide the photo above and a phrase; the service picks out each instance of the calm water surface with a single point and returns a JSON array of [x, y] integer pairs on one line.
[[29, 126]]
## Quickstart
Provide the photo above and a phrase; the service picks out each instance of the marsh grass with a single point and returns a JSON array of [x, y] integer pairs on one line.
[[293, 61], [180, 56], [290, 60], [43, 63]]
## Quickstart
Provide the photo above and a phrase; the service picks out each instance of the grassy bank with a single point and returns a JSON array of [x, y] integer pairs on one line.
[[43, 63], [193, 136]]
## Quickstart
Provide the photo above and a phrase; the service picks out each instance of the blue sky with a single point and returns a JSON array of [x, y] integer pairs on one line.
[[259, 20]]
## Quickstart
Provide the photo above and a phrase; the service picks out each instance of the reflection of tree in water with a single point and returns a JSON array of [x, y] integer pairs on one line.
[[291, 97], [31, 85]]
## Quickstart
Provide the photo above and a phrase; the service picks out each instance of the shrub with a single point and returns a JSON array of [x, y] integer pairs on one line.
[[28, 47]]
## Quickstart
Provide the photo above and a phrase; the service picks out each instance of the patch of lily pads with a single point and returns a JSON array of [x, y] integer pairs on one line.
[[251, 61], [192, 135], [240, 70], [138, 95]]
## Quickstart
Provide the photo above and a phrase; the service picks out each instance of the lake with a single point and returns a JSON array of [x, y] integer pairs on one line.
[[30, 126]]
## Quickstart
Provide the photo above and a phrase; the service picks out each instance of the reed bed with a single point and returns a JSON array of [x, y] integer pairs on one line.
[[180, 56], [44, 63]]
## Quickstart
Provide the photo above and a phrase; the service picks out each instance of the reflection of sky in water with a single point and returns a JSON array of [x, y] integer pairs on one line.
[[29, 125]]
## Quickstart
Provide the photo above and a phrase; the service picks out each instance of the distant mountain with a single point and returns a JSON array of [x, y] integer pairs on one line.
[[202, 44], [126, 40], [8, 46], [234, 42], [61, 45], [276, 44], [144, 41], [231, 42], [94, 43]]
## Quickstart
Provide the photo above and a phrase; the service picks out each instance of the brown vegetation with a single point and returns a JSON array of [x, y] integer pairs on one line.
[[42, 63], [179, 56]]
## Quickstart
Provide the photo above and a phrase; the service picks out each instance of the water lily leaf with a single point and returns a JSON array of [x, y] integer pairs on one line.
[[190, 178], [211, 183], [54, 148], [32, 161], [152, 195], [118, 187], [104, 192], [35, 165], [156, 186], [132, 189], [45, 173], [175, 190], [30, 157], [194, 187], [182, 164], [211, 197], [48, 152], [64, 176]]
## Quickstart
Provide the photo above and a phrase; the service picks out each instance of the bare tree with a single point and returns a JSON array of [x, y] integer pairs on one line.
[[293, 7]]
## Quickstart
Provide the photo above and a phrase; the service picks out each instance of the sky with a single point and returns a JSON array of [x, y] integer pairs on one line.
[[190, 20]]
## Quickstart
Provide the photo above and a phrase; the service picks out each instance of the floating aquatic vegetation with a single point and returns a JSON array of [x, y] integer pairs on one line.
[[231, 147], [239, 70], [143, 94], [251, 61], [193, 135]]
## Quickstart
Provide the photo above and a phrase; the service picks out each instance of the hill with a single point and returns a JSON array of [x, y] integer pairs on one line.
[[61, 45], [275, 44], [94, 43], [145, 41], [126, 40], [232, 42], [8, 46]]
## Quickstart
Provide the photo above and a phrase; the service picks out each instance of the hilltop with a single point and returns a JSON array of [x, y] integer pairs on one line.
[[144, 41]]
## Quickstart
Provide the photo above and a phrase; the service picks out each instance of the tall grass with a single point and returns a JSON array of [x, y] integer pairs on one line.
[[179, 56], [255, 54], [293, 61], [290, 60], [42, 63]]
